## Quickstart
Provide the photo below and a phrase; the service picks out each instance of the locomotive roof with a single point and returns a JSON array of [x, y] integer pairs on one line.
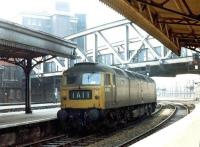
[[90, 67], [97, 67]]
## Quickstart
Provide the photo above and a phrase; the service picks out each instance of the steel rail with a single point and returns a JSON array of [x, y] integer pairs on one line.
[[158, 110], [60, 141], [42, 141], [187, 109], [128, 142]]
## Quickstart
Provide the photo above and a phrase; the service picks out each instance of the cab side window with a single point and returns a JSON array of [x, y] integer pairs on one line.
[[107, 79], [64, 80]]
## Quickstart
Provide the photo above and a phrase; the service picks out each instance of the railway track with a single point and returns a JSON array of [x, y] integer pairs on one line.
[[63, 141], [167, 112], [179, 112]]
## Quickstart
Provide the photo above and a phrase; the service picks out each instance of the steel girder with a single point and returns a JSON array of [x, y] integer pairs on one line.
[[112, 47]]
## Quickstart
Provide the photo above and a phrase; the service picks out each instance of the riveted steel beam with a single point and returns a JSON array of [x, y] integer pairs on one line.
[[95, 48], [111, 48], [178, 21], [98, 28], [162, 6], [146, 42], [126, 42], [82, 55]]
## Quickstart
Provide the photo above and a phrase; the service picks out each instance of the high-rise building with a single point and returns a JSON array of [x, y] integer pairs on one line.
[[61, 22]]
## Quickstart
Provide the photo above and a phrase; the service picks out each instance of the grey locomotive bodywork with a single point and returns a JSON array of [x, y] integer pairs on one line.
[[130, 89]]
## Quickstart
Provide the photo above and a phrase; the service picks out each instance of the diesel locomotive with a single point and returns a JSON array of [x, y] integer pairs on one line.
[[92, 93]]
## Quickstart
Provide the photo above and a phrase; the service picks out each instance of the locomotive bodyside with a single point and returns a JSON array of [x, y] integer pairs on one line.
[[131, 89]]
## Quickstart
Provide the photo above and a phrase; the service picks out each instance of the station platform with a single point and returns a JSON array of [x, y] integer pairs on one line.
[[176, 99], [21, 107], [3, 107], [13, 119], [183, 133]]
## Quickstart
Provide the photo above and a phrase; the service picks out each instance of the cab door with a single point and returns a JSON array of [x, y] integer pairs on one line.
[[113, 89], [108, 88]]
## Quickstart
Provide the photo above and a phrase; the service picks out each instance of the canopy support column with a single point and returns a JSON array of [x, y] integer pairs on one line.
[[27, 65], [27, 70]]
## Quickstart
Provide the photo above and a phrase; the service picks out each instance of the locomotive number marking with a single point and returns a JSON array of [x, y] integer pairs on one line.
[[80, 94]]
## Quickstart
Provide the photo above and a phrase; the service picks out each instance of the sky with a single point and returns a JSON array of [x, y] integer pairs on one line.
[[97, 12], [9, 9]]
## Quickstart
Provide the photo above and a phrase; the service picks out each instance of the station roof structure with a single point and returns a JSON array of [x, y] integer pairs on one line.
[[20, 42], [20, 46], [175, 23]]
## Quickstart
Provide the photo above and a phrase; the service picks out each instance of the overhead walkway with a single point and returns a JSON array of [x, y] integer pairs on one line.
[[174, 23], [167, 67], [98, 28], [139, 52], [21, 46]]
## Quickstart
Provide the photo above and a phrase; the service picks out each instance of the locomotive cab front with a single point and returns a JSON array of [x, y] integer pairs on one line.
[[82, 90], [83, 93]]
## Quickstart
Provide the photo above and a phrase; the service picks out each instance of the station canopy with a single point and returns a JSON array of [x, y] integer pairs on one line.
[[20, 46], [176, 23], [20, 42]]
